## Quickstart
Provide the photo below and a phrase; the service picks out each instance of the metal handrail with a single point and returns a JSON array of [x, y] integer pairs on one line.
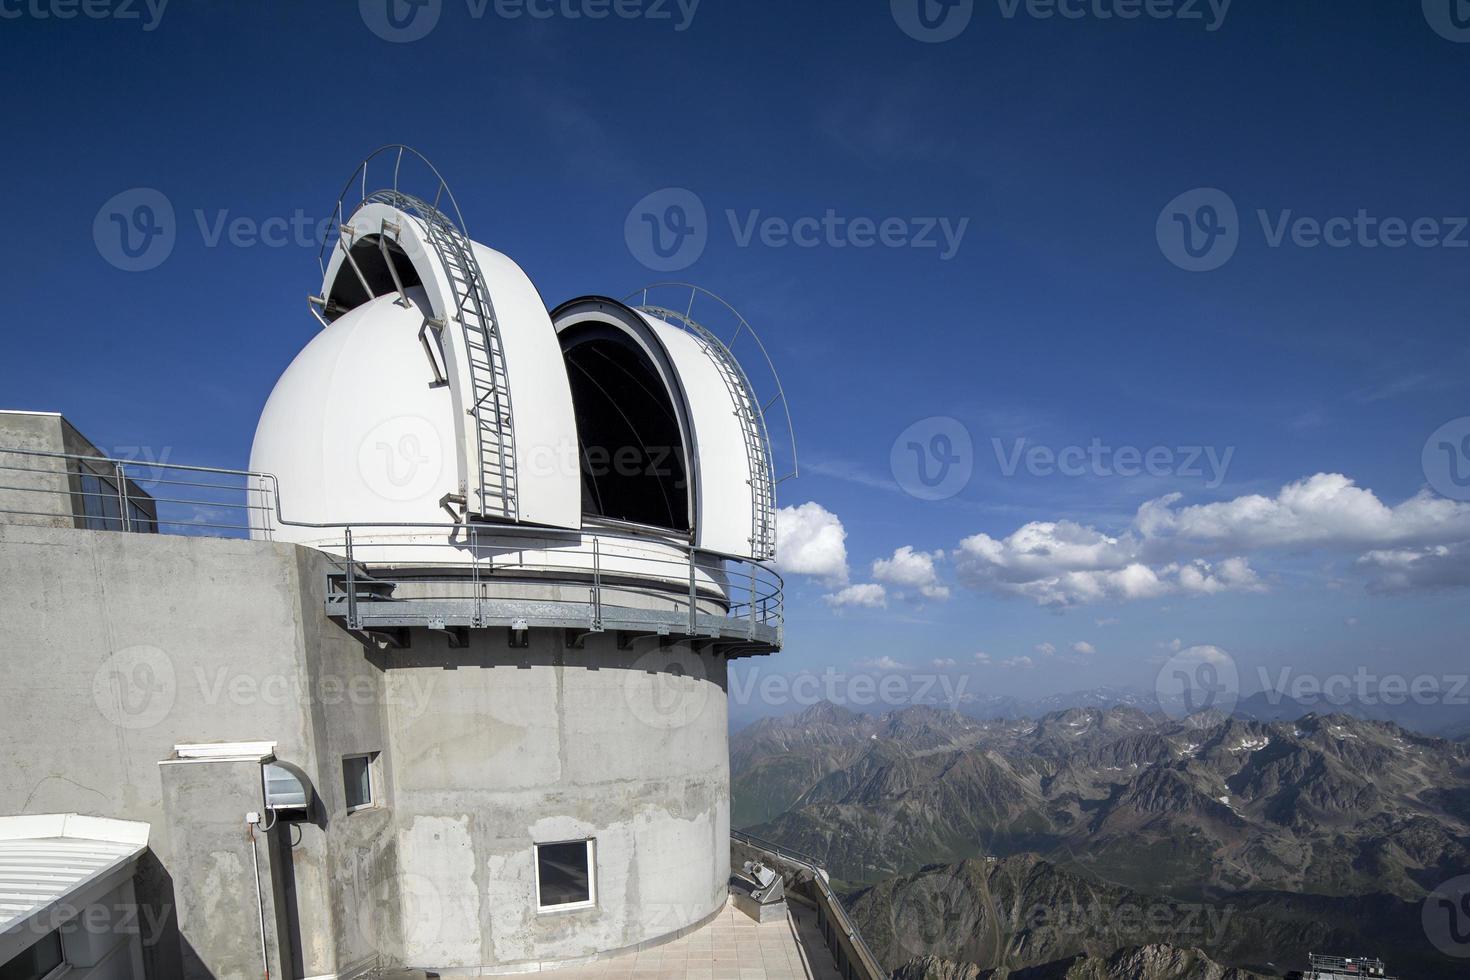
[[752, 593], [868, 963]]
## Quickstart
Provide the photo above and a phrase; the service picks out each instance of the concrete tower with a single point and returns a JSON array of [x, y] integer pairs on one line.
[[551, 527]]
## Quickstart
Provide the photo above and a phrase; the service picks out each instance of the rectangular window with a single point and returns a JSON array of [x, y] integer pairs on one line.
[[360, 781], [566, 875], [101, 509], [39, 961]]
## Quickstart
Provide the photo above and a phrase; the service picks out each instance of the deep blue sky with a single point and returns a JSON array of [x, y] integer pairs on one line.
[[1059, 318]]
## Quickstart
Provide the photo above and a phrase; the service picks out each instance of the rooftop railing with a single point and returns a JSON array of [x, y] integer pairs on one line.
[[853, 957], [391, 575]]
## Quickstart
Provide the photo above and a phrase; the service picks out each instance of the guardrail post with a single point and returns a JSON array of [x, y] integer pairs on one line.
[[692, 621], [478, 616], [122, 493], [597, 583], [352, 621], [751, 633]]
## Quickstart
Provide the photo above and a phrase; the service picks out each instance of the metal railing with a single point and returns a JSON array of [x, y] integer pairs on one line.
[[854, 959], [1327, 967], [134, 494], [385, 575], [531, 577]]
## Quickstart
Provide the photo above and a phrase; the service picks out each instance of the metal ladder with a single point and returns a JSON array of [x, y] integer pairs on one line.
[[489, 380], [752, 426]]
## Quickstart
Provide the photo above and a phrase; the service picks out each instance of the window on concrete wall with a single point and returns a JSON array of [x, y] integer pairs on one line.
[[360, 778], [101, 504], [41, 960], [566, 875], [102, 508]]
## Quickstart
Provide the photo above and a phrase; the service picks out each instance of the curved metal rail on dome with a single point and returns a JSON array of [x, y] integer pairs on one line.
[[473, 309], [750, 410]]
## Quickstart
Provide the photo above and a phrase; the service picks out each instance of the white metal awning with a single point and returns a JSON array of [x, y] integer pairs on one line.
[[53, 865]]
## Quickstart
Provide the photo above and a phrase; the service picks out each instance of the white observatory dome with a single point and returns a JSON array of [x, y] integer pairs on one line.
[[356, 431], [441, 395]]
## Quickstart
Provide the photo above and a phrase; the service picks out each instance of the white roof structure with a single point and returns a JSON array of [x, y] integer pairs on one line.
[[53, 863]]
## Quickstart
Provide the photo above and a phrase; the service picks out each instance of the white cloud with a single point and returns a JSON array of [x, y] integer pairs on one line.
[[884, 663], [810, 540], [1203, 549], [1082, 646], [1418, 569], [865, 594], [945, 662], [1325, 510], [912, 570], [1107, 621], [1019, 663], [1046, 649], [981, 657]]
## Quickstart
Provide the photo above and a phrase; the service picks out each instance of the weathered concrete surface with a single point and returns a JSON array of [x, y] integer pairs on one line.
[[49, 498], [495, 750], [128, 644], [230, 918]]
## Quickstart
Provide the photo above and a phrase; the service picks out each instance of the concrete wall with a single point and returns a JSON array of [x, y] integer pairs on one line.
[[127, 645], [230, 915], [495, 750], [43, 498]]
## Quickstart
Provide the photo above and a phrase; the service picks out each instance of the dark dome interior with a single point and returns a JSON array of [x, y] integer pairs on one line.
[[633, 461]]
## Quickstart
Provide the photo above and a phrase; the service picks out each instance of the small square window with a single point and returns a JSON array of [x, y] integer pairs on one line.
[[360, 781], [566, 875]]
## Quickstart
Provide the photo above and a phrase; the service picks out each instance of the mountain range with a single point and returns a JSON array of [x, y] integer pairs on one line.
[[1353, 819]]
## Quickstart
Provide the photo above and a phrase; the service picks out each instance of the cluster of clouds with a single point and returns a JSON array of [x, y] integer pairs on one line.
[[812, 541], [1166, 549]]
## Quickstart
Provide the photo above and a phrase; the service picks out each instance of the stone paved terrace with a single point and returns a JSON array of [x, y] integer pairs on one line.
[[732, 946]]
